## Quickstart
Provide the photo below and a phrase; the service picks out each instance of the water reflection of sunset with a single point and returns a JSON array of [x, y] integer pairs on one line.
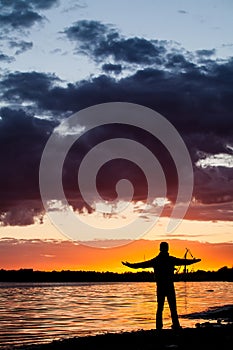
[[92, 308]]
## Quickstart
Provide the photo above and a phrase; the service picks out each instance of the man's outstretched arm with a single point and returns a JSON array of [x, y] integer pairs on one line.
[[139, 265], [179, 262]]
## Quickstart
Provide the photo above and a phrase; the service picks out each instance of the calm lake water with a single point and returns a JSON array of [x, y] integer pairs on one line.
[[40, 313]]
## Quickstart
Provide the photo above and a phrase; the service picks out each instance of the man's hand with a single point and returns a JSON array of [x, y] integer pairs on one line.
[[126, 263]]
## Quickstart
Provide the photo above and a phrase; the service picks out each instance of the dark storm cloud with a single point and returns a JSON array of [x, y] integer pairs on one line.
[[131, 50], [24, 214], [6, 58], [101, 41], [20, 46], [108, 67], [29, 86], [22, 139], [42, 4], [25, 20], [196, 98], [91, 32], [206, 52], [197, 101], [22, 14], [178, 61]]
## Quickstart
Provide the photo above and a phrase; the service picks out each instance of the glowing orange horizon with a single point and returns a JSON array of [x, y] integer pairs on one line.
[[66, 255]]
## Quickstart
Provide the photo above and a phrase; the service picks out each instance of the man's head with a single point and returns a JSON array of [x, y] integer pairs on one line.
[[164, 247]]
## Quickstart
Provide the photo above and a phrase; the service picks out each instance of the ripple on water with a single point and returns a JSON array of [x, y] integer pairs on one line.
[[39, 313]]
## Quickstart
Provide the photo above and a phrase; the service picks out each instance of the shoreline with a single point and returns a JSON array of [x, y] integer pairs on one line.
[[216, 333], [212, 336]]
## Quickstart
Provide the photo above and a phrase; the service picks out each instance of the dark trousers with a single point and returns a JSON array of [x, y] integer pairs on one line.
[[166, 290]]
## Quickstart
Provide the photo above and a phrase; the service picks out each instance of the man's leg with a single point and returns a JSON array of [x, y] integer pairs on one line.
[[171, 298], [160, 305]]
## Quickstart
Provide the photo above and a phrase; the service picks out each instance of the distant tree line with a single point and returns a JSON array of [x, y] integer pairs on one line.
[[223, 274], [29, 275]]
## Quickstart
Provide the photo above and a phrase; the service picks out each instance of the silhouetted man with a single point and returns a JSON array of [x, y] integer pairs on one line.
[[164, 266]]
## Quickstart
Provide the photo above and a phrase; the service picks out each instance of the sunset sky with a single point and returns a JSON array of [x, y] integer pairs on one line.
[[58, 57]]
